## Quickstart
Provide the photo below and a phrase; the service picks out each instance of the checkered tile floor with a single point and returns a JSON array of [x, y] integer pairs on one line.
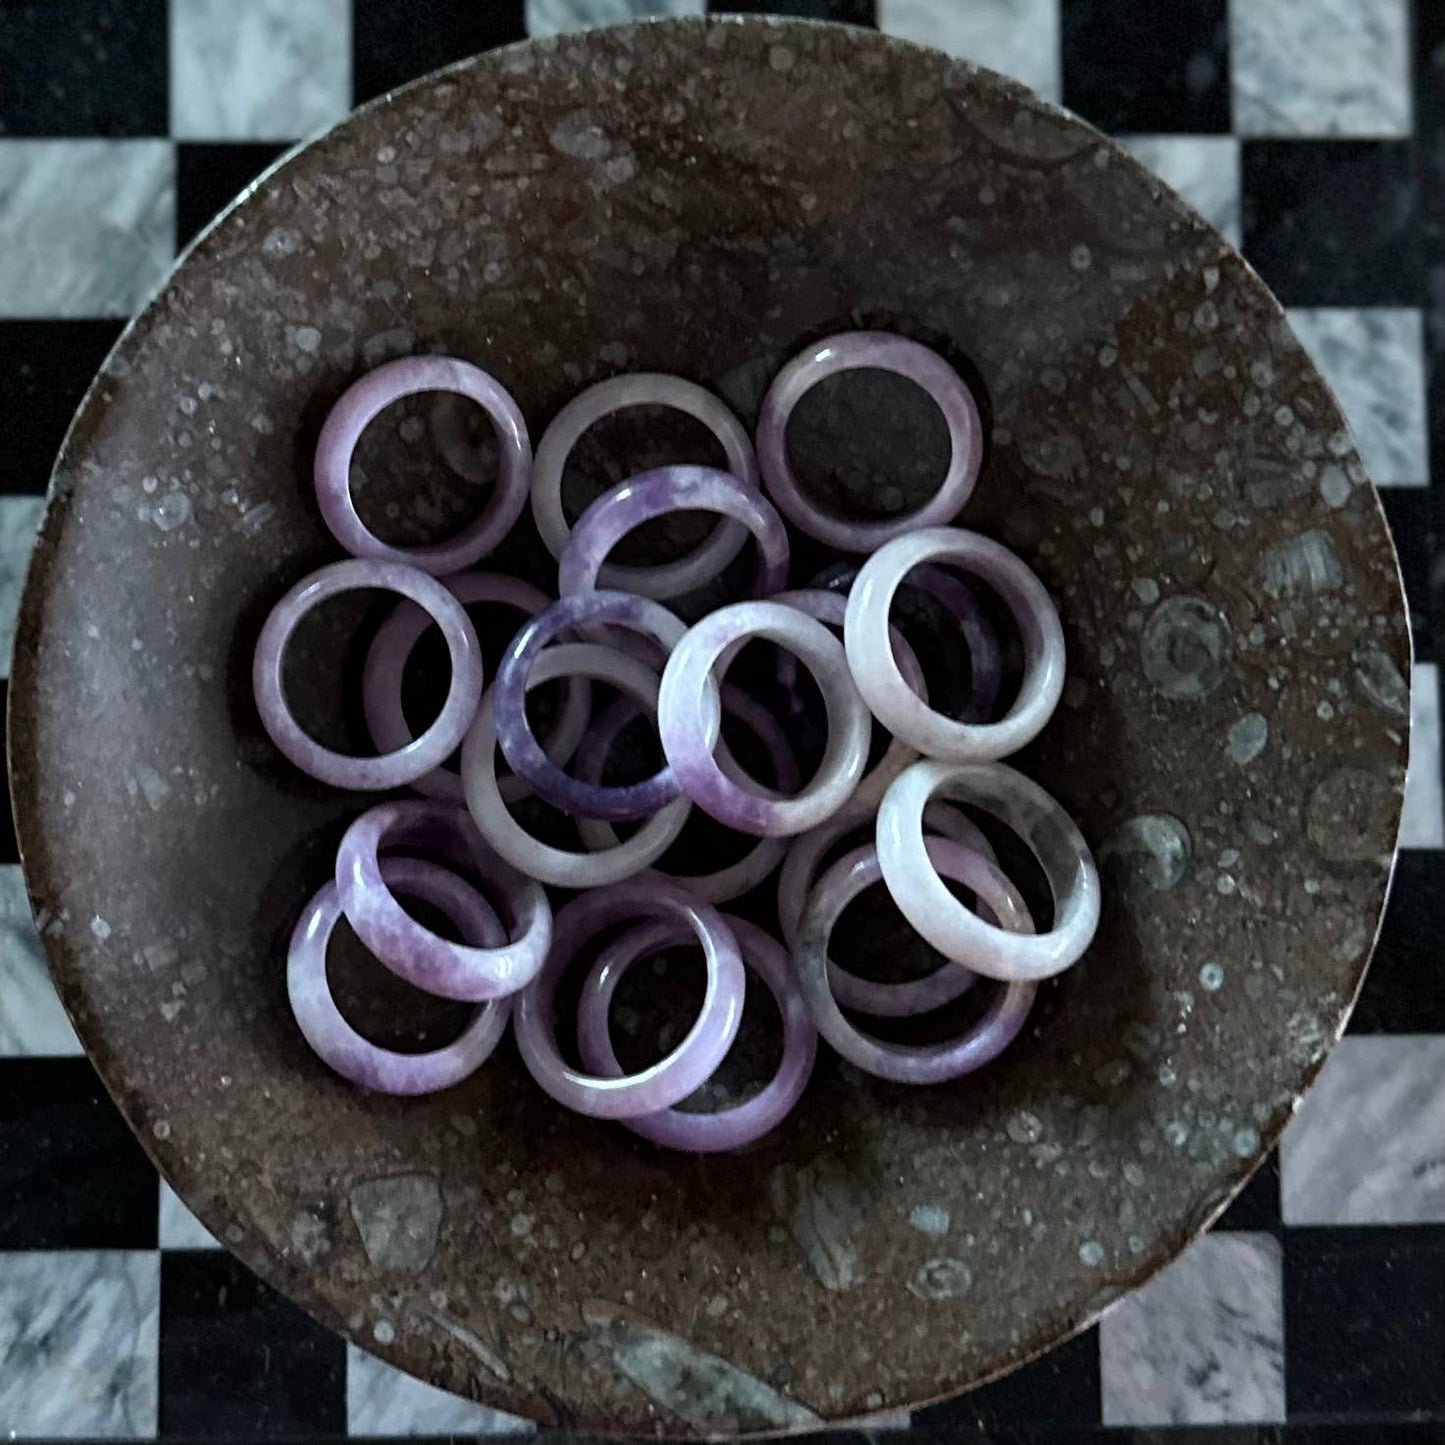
[[1311, 131]]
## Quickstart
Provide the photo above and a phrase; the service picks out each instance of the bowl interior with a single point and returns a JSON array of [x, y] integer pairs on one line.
[[701, 198]]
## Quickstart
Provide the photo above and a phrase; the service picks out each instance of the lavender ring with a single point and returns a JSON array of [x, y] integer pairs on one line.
[[673, 489], [901, 710], [727, 1128], [1038, 820], [533, 857], [904, 1063], [688, 712], [362, 401], [666, 579], [692, 1062], [847, 351], [413, 952], [758, 863], [985, 656], [337, 1044], [386, 663], [519, 745], [829, 608], [414, 759], [852, 991]]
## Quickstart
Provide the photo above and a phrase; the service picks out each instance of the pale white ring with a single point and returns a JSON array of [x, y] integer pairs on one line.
[[1039, 821], [895, 704]]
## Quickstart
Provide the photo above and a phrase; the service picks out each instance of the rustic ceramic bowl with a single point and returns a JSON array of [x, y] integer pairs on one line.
[[701, 198]]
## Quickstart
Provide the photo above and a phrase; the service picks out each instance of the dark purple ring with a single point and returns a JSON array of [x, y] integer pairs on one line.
[[673, 489], [519, 744]]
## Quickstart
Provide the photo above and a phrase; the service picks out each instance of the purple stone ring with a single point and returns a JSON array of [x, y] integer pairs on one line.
[[580, 614], [688, 713], [381, 680], [363, 400], [848, 351], [665, 579], [339, 1045], [412, 951], [744, 1123], [410, 761], [673, 489], [908, 1063], [692, 1062]]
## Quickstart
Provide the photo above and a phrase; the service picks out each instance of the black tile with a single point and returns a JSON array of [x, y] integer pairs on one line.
[[1334, 222], [848, 12], [84, 68], [45, 367], [1404, 990], [1256, 1206], [1060, 1389], [240, 1361], [209, 176], [1145, 69], [392, 43], [1417, 523], [71, 1174], [1365, 1322]]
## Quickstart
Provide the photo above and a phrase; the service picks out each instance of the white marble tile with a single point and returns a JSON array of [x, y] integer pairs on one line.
[[559, 17], [78, 1344], [19, 522], [382, 1400], [177, 1227], [32, 1022], [1423, 822], [1017, 37], [1368, 1143], [1374, 359], [262, 70], [87, 227], [1202, 1344], [1320, 67], [1204, 169]]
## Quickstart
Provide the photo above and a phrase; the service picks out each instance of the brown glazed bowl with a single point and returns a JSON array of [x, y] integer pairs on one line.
[[702, 197]]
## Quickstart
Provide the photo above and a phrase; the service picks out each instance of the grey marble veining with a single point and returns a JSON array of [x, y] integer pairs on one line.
[[87, 227], [1320, 67], [1204, 169], [19, 520], [32, 1022], [1016, 37], [559, 17], [382, 1400], [1422, 824], [1203, 1343], [78, 1344], [259, 70], [1374, 360], [1368, 1144], [177, 1227]]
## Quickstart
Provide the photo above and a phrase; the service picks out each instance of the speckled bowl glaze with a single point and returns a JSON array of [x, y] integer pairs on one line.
[[703, 198]]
